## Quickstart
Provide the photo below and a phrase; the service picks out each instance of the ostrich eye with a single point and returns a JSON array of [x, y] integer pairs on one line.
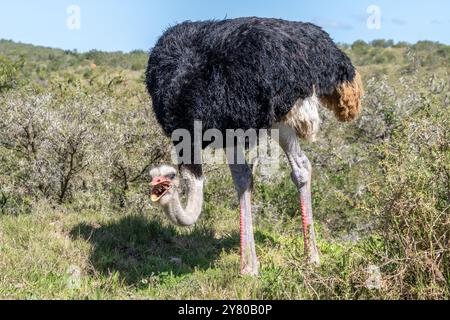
[[171, 176]]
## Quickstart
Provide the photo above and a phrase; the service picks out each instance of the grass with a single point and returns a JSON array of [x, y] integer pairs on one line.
[[128, 256]]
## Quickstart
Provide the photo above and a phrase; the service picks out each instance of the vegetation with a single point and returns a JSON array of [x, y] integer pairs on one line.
[[77, 139]]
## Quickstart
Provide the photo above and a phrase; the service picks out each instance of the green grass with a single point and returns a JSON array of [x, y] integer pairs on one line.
[[142, 257]]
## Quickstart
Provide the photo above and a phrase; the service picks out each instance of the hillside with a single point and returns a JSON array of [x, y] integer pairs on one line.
[[77, 139]]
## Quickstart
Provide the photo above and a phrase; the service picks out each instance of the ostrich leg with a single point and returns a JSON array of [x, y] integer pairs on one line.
[[242, 178], [301, 176]]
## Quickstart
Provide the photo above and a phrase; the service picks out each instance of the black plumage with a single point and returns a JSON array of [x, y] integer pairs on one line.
[[240, 73]]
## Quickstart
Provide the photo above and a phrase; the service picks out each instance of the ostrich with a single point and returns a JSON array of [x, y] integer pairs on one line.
[[247, 73]]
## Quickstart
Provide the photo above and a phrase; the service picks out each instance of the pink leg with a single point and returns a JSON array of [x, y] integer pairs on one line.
[[305, 222], [301, 176], [309, 234]]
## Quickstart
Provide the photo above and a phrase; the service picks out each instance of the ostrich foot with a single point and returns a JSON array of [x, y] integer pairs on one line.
[[313, 252], [314, 259], [250, 271]]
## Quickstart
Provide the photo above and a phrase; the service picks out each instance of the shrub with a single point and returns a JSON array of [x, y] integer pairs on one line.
[[410, 197], [360, 46], [9, 73], [382, 43], [67, 142], [136, 143], [52, 138]]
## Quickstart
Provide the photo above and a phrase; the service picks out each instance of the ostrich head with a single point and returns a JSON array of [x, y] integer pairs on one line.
[[165, 182], [165, 185]]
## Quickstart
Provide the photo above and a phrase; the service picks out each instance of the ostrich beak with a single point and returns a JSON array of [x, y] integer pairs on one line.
[[160, 186]]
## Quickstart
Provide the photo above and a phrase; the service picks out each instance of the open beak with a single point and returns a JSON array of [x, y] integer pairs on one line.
[[160, 186]]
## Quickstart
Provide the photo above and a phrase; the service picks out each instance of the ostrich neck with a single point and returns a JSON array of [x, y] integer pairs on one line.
[[189, 215]]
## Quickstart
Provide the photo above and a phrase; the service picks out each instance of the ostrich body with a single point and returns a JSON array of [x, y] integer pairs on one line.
[[247, 73]]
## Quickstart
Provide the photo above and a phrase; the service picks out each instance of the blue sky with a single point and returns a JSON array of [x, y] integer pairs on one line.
[[136, 24]]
